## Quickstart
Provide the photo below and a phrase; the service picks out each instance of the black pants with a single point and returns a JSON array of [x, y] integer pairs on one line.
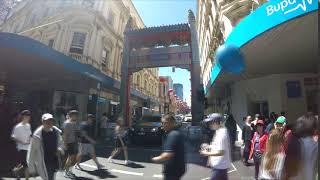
[[169, 177], [51, 170], [219, 174], [246, 150], [22, 155], [257, 160]]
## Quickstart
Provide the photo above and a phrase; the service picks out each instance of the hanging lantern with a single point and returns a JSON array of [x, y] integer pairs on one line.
[[230, 59]]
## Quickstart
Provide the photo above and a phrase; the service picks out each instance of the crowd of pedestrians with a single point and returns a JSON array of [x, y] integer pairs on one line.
[[50, 149], [280, 149]]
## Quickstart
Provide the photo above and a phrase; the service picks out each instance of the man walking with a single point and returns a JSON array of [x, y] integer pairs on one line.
[[70, 137], [86, 142], [173, 151], [219, 149], [45, 146], [247, 133], [104, 126], [21, 134]]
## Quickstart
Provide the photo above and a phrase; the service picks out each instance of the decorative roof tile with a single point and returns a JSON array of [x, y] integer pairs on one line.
[[159, 29]]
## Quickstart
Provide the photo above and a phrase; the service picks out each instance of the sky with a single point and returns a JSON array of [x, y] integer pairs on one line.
[[165, 12]]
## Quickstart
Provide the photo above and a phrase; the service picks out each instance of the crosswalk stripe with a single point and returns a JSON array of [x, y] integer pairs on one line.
[[127, 172], [157, 176], [88, 165]]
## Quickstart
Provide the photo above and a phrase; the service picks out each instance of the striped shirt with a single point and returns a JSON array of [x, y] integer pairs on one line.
[[276, 172]]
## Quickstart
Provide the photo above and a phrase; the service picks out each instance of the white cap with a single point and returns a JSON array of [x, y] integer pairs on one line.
[[46, 117]]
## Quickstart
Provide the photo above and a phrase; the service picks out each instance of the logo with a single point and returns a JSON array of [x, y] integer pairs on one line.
[[288, 6]]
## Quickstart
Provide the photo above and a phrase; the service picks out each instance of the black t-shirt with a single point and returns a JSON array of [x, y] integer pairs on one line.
[[88, 129], [247, 133], [50, 144], [174, 142]]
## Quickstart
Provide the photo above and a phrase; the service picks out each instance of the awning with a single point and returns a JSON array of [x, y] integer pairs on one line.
[[278, 37], [22, 53]]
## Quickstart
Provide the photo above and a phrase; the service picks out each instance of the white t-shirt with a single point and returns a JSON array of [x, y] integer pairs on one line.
[[23, 133], [220, 141]]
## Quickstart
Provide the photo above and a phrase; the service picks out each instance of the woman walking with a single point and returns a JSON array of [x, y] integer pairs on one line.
[[273, 160], [258, 146], [119, 143], [247, 133], [21, 134]]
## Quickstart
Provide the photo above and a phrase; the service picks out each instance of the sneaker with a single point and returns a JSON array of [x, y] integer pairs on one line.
[[110, 160], [70, 175], [77, 166], [127, 162], [100, 166]]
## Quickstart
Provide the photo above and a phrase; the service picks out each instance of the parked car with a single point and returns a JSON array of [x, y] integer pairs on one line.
[[188, 118], [148, 129]]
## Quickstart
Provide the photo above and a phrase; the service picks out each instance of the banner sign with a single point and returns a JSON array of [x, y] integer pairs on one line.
[[160, 57]]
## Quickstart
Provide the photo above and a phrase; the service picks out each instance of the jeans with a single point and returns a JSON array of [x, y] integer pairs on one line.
[[257, 160], [219, 174], [246, 150]]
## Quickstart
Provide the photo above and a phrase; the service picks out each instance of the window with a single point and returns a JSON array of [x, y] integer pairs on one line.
[[105, 56], [111, 17], [77, 44], [50, 44]]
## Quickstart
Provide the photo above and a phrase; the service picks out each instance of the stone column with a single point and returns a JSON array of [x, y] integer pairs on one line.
[[197, 105], [58, 43], [92, 45], [125, 83]]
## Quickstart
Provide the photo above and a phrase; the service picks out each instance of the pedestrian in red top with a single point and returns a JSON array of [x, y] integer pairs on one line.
[[258, 146]]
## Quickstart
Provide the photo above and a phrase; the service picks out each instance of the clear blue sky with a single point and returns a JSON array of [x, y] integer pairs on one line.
[[165, 12]]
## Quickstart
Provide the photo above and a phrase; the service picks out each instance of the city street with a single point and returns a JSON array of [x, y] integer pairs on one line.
[[143, 168], [194, 76]]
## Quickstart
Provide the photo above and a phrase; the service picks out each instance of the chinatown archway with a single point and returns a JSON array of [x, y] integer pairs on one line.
[[164, 46]]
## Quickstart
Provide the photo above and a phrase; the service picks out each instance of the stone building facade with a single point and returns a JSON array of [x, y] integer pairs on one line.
[[89, 31]]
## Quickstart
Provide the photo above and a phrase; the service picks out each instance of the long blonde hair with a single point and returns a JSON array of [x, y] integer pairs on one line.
[[276, 140]]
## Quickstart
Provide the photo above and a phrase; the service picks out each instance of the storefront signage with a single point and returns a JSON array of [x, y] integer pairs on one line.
[[288, 6]]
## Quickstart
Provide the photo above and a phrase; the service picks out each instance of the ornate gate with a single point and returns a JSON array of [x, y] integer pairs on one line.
[[173, 45]]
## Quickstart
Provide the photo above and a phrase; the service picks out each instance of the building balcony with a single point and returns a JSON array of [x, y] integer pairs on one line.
[[237, 9], [86, 60]]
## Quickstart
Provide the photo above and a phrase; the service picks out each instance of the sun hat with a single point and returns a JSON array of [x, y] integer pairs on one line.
[[281, 120], [214, 117], [46, 117]]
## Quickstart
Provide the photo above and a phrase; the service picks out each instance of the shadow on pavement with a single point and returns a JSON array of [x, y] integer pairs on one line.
[[83, 178], [101, 173], [132, 165]]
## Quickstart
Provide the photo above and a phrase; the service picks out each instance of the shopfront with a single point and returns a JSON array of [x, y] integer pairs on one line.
[[280, 50]]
